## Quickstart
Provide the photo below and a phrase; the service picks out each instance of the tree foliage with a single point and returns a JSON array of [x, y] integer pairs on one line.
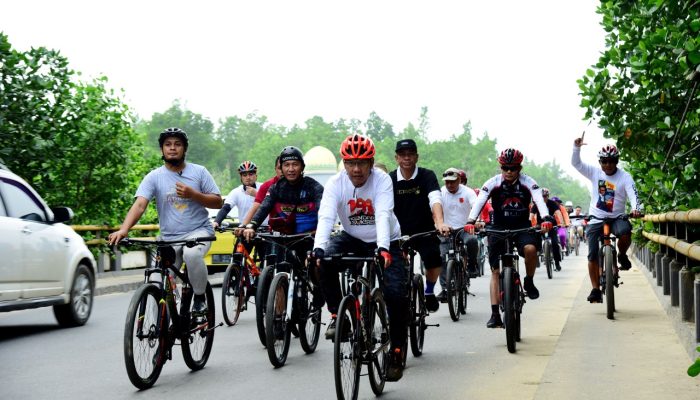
[[638, 91]]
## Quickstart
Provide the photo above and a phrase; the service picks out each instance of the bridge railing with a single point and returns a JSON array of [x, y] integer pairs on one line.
[[677, 259], [100, 234]]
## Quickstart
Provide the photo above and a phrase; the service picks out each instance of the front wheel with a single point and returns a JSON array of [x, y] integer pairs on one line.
[[379, 341], [510, 294], [609, 261], [309, 321], [145, 339], [264, 280], [232, 294], [197, 341], [418, 313], [79, 307], [347, 354], [277, 332], [454, 286], [547, 250]]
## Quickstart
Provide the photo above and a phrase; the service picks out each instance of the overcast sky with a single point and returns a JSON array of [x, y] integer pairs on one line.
[[509, 67]]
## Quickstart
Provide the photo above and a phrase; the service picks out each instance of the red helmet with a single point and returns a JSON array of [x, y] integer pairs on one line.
[[609, 151], [357, 146], [510, 157], [462, 176]]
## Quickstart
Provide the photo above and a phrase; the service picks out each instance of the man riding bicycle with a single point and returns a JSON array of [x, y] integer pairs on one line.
[[243, 196], [511, 193], [182, 192], [611, 187], [418, 207], [362, 197]]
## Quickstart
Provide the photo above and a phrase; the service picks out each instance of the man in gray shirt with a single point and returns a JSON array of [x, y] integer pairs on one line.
[[182, 192]]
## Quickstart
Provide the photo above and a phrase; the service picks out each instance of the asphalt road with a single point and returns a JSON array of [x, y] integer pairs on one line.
[[568, 350]]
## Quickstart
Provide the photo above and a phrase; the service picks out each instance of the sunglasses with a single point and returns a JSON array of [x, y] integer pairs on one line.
[[446, 174], [510, 168], [607, 161]]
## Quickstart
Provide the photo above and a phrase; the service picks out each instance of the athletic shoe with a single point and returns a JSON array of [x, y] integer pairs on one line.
[[431, 302], [495, 321], [624, 261], [394, 370], [596, 296], [530, 289]]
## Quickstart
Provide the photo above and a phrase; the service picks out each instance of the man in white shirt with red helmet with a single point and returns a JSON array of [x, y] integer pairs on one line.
[[362, 197]]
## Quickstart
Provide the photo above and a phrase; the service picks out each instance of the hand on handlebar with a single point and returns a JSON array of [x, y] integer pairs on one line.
[[316, 254], [546, 226], [384, 253], [469, 228], [249, 233], [116, 237], [636, 214], [444, 229]]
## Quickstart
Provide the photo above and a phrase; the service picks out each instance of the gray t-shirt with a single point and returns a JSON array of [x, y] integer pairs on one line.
[[178, 216]]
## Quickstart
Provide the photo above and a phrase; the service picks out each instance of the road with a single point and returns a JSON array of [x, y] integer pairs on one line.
[[569, 350]]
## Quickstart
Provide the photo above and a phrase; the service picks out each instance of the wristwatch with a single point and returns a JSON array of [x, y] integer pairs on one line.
[[250, 226]]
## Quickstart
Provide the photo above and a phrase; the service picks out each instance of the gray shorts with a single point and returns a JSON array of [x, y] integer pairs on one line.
[[619, 228]]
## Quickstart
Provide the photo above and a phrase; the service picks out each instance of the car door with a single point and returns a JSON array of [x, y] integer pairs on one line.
[[11, 259], [43, 248]]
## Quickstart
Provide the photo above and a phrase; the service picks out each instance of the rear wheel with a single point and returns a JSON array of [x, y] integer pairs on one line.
[[379, 341], [417, 325], [277, 332], [509, 308], [261, 292], [198, 341], [232, 294], [547, 250], [609, 261], [454, 286], [309, 322], [463, 291], [145, 337], [347, 361]]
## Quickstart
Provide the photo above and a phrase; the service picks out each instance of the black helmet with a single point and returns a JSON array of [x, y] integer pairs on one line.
[[173, 132], [291, 153]]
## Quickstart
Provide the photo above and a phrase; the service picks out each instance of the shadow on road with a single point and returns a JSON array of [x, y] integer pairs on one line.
[[13, 332]]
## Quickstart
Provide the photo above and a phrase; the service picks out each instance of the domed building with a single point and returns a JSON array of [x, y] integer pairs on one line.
[[320, 164]]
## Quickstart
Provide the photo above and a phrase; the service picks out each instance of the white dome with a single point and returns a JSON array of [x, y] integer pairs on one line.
[[319, 159]]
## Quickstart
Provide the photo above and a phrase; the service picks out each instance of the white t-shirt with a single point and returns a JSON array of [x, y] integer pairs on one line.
[[240, 199], [609, 193], [457, 206], [366, 212]]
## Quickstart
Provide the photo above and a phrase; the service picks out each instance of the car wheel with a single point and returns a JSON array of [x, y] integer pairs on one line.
[[78, 309]]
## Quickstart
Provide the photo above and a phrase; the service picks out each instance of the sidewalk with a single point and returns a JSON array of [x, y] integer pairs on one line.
[[125, 281]]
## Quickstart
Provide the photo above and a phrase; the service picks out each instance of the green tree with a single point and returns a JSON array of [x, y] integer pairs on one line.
[[638, 91]]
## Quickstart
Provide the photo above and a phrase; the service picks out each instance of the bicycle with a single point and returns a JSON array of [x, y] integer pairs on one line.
[[290, 301], [416, 291], [546, 255], [609, 276], [362, 330], [154, 323], [576, 238], [512, 295], [457, 278]]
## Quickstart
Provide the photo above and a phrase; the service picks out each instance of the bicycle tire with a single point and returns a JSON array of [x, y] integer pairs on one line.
[[277, 330], [578, 242], [232, 294], [417, 326], [196, 346], [347, 361], [264, 280], [509, 310], [309, 322], [547, 249], [144, 358], [380, 342], [453, 290], [609, 261], [463, 291]]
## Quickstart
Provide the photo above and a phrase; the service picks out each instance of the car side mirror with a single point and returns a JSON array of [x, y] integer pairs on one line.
[[62, 214]]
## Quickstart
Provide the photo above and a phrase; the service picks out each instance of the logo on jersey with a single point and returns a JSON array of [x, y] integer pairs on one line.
[[606, 195], [180, 204], [361, 211]]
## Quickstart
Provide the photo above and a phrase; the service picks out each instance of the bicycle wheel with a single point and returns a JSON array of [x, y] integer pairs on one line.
[[309, 321], [609, 261], [417, 326], [463, 290], [145, 341], [277, 332], [264, 281], [509, 307], [378, 329], [578, 242], [197, 341], [547, 250], [232, 294], [347, 361], [453, 290]]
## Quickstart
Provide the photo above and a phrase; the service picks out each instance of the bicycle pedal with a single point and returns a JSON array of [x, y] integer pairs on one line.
[[436, 325]]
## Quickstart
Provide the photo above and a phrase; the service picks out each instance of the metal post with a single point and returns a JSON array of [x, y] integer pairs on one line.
[[697, 310], [687, 295], [657, 271], [666, 274], [674, 281]]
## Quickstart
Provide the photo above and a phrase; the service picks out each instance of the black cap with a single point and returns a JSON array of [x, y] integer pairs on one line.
[[406, 144]]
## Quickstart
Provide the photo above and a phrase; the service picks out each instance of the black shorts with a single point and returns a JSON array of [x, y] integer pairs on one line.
[[497, 246], [594, 232], [429, 250]]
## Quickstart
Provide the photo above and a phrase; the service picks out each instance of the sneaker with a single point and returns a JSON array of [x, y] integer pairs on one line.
[[330, 331], [495, 321], [394, 370], [596, 296], [472, 272], [530, 289], [557, 266], [199, 309], [431, 302], [624, 261], [442, 297]]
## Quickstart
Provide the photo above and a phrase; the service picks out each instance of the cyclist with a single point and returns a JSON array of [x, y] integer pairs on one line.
[[552, 209], [362, 197], [511, 193], [578, 222], [569, 207], [418, 207], [462, 177], [564, 223], [457, 202], [243, 196], [259, 197], [182, 192], [611, 187]]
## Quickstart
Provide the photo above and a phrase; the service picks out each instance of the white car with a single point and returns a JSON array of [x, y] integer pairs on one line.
[[42, 261]]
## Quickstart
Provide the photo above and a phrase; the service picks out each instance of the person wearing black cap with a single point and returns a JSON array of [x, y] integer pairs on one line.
[[418, 207]]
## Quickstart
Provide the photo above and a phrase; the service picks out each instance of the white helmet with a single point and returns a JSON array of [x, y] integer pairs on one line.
[[569, 204]]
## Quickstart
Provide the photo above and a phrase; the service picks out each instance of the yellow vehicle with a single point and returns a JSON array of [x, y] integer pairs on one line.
[[219, 255]]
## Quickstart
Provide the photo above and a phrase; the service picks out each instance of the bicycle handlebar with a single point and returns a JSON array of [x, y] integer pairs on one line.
[[190, 242], [621, 216], [406, 240], [507, 232]]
